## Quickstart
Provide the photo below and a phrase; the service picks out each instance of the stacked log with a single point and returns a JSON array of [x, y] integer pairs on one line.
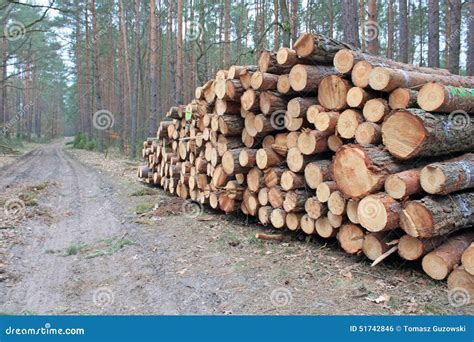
[[336, 143]]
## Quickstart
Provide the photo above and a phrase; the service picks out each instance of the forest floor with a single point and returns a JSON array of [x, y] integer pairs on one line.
[[88, 242]]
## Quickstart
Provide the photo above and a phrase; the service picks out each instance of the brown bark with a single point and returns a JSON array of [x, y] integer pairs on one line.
[[411, 248], [403, 184], [434, 97]]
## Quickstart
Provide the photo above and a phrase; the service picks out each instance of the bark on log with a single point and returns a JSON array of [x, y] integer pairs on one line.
[[332, 92], [414, 132], [290, 181], [306, 78], [271, 101], [231, 125], [298, 106], [295, 201], [435, 97], [267, 62], [437, 215], [440, 262], [403, 184], [351, 238], [318, 48], [379, 212], [411, 248], [467, 259], [230, 162], [402, 98], [266, 157], [264, 81]]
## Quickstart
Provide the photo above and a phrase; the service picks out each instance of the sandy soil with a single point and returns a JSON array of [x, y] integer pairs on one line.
[[79, 247]]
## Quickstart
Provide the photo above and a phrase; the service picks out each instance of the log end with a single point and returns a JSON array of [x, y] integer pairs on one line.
[[307, 224], [344, 61], [304, 45], [372, 214], [395, 187], [298, 77], [379, 78], [410, 248], [432, 179], [324, 228], [399, 98], [416, 220], [372, 247], [351, 238], [435, 266], [360, 74], [431, 97]]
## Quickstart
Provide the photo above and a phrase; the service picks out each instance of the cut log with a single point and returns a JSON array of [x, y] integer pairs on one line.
[[334, 143], [337, 203], [267, 62], [351, 238], [298, 106], [293, 221], [357, 97], [449, 176], [368, 133], [276, 196], [348, 122], [295, 201], [437, 215], [414, 132], [313, 112], [402, 98], [263, 196], [335, 220], [271, 101], [306, 78], [248, 157], [318, 48], [346, 59], [326, 121], [435, 97], [292, 124], [324, 190], [264, 214], [290, 181], [324, 228], [403, 184], [255, 179], [272, 176], [227, 107], [351, 211], [234, 190], [376, 244], [235, 71], [360, 74], [375, 110], [307, 224], [283, 84], [289, 57], [249, 100], [251, 202], [379, 212], [266, 157], [314, 208], [411, 248], [361, 170], [264, 81], [227, 204], [387, 79], [317, 172], [278, 218], [227, 143], [313, 142], [296, 160], [332, 92], [468, 259], [264, 125], [231, 164], [245, 78], [231, 125], [440, 262], [460, 278], [219, 177], [292, 139]]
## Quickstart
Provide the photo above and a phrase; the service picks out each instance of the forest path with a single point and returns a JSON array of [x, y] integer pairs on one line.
[[83, 250]]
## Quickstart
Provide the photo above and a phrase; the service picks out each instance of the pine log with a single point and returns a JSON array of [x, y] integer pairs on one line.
[[228, 205], [351, 238], [228, 143], [403, 184], [264, 214], [460, 278], [414, 132], [440, 262], [402, 98], [264, 81], [277, 218], [346, 59], [293, 221], [411, 248], [318, 48], [467, 259], [235, 71], [360, 74], [326, 121], [219, 177], [263, 196], [324, 228], [292, 139], [264, 125], [250, 100], [293, 124], [251, 202], [445, 177], [313, 111], [276, 196], [283, 84], [337, 203], [290, 181], [375, 110], [231, 164], [332, 92], [272, 176], [298, 106], [306, 78], [348, 122], [351, 211], [368, 133], [334, 143], [295, 201], [245, 78], [324, 190], [387, 79], [267, 62], [436, 97], [437, 215], [361, 170], [296, 161], [255, 179], [234, 190], [314, 208], [227, 107], [266, 157], [307, 224], [313, 141], [231, 125], [271, 101], [376, 244], [379, 212], [248, 157], [357, 97]]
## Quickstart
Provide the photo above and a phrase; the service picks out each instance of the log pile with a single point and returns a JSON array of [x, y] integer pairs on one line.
[[336, 143]]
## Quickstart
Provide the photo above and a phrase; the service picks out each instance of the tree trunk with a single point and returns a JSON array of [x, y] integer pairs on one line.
[[227, 34], [470, 40], [390, 28], [454, 41], [403, 31], [350, 22], [433, 33]]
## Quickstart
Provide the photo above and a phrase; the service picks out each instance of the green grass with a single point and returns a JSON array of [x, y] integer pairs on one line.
[[143, 208], [144, 192], [100, 248]]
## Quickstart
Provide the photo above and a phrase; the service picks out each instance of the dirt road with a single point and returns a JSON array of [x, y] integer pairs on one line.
[[82, 249]]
